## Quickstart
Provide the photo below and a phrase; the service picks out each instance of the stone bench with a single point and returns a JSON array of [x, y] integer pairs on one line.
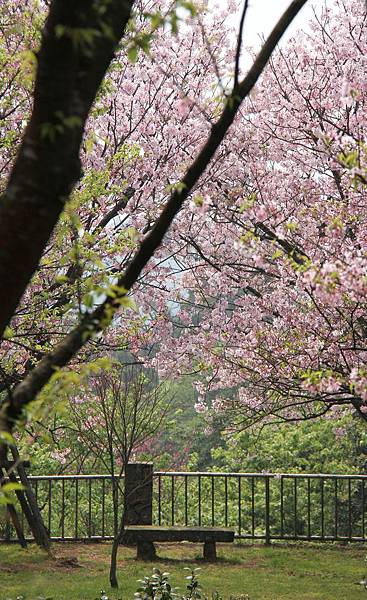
[[145, 535]]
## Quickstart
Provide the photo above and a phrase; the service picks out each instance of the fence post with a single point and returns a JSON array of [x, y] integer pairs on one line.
[[138, 493], [267, 509]]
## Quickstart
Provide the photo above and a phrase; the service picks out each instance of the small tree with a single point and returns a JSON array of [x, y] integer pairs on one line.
[[127, 409]]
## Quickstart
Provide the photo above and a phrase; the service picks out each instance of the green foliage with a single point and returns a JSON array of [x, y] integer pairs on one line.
[[55, 395], [322, 446], [28, 67], [194, 589], [7, 492], [159, 587], [6, 438], [188, 442], [141, 39]]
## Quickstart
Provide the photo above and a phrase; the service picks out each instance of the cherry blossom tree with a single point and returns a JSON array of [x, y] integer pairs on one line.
[[154, 128], [271, 302]]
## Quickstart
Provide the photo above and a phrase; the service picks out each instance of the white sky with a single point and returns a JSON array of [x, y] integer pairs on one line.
[[263, 14]]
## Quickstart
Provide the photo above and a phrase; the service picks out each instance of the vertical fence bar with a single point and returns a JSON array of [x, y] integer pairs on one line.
[[349, 510], [63, 509], [186, 510], [336, 507], [159, 500], [199, 499], [363, 502], [295, 508], [172, 500], [117, 495], [281, 506], [49, 505], [213, 494], [76, 507], [239, 505], [90, 508], [253, 506], [267, 509], [226, 500], [103, 507], [309, 508], [322, 507]]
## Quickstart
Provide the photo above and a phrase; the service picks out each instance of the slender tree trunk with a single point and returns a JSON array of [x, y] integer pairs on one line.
[[113, 565], [116, 534], [41, 535], [17, 525]]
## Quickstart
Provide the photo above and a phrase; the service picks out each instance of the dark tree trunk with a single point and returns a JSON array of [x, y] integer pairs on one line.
[[113, 564], [17, 526], [41, 535]]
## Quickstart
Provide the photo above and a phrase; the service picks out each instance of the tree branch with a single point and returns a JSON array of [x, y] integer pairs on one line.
[[239, 46]]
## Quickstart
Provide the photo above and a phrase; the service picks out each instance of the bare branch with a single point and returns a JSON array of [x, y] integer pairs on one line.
[[239, 46]]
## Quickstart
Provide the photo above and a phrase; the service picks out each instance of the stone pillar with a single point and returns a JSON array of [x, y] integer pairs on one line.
[[138, 493], [139, 504], [210, 551]]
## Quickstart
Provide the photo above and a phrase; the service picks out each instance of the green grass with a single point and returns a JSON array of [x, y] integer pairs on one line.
[[308, 572]]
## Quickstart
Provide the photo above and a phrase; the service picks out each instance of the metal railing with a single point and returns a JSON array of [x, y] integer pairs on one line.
[[265, 505], [257, 506]]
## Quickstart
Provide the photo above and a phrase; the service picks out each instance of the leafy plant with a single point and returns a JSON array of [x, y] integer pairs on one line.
[[158, 587]]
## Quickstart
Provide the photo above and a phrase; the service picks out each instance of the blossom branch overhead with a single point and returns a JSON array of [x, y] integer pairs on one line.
[[96, 321]]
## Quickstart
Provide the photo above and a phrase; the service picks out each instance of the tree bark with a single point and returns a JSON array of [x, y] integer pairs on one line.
[[41, 535], [113, 562]]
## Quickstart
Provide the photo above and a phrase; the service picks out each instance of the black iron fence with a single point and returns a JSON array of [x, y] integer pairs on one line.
[[256, 505]]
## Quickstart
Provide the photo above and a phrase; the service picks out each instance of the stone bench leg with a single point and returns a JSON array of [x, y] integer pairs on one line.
[[145, 550], [210, 551]]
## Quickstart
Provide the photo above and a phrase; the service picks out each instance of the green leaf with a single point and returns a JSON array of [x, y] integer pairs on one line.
[[190, 7], [7, 438], [132, 53], [8, 333], [12, 487]]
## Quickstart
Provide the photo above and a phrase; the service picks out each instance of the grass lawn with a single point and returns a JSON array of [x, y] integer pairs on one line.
[[80, 571]]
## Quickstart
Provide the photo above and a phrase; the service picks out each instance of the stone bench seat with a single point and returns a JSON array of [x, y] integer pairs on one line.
[[145, 535]]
